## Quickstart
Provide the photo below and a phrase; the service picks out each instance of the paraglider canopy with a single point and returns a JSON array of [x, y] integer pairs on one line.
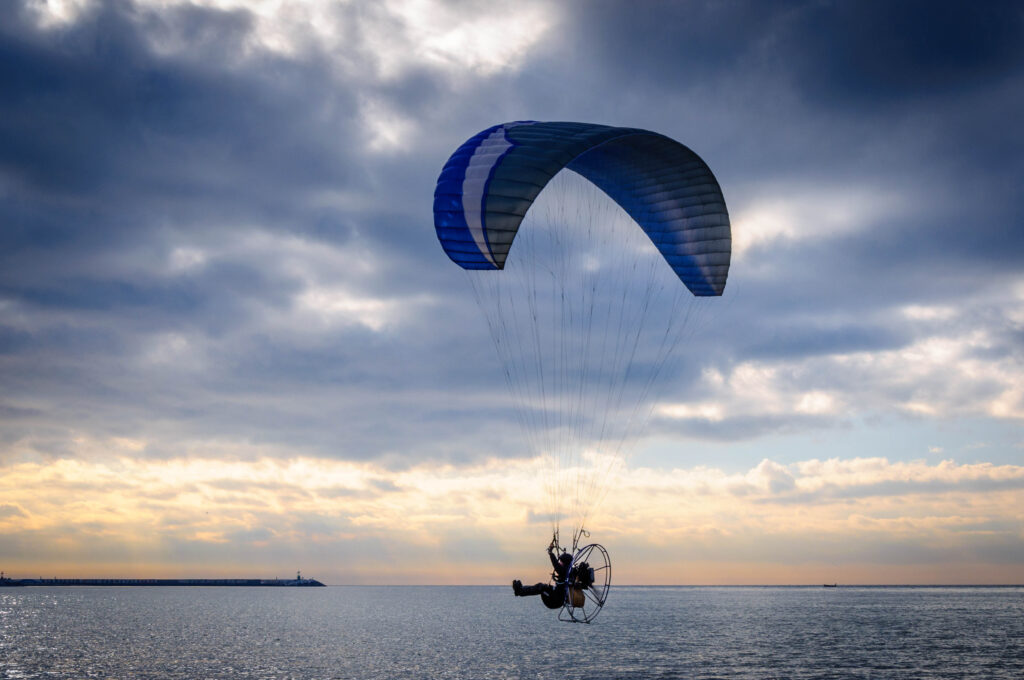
[[490, 182]]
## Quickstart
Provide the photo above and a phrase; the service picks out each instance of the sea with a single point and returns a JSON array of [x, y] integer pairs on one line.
[[398, 632]]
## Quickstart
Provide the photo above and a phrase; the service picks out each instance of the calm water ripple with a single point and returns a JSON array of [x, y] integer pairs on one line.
[[483, 632]]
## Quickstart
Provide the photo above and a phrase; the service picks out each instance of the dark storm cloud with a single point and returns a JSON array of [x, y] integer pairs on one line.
[[108, 148], [836, 53], [875, 53], [671, 45], [94, 111], [910, 95]]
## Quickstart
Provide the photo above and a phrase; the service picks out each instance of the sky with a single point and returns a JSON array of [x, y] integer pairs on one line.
[[230, 344]]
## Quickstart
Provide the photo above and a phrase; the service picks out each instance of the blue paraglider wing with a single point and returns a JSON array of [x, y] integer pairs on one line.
[[490, 182]]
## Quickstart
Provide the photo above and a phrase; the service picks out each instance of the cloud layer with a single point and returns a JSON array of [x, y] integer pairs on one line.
[[216, 250]]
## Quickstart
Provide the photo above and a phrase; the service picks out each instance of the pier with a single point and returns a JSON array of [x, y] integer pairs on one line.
[[297, 582]]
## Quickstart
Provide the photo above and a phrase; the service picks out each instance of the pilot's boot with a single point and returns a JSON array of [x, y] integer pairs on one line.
[[526, 591]]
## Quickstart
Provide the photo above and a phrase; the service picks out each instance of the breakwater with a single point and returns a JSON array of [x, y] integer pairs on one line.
[[250, 582]]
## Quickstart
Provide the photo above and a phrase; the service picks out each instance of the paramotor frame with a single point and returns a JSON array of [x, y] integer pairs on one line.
[[586, 588]]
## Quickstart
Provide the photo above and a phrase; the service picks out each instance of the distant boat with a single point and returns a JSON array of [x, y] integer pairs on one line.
[[829, 585]]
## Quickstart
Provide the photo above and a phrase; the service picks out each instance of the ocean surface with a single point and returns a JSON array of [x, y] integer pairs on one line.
[[484, 632]]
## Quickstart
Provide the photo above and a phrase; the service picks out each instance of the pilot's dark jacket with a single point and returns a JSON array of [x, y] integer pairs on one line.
[[553, 596]]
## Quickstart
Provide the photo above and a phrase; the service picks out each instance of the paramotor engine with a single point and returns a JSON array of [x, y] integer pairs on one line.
[[590, 578]]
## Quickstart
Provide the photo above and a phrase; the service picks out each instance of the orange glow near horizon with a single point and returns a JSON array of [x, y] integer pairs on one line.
[[865, 521]]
